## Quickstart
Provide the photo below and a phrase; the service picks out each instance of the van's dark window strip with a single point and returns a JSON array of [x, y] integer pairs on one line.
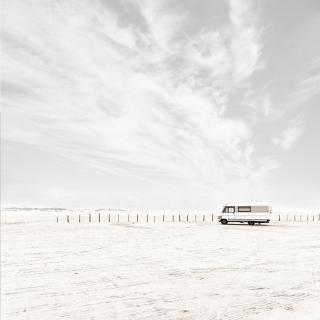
[[244, 209]]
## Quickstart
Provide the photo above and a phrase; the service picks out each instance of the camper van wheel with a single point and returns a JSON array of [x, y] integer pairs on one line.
[[224, 221], [251, 223]]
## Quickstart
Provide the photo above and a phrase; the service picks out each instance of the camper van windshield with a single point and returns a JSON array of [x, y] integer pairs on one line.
[[228, 209]]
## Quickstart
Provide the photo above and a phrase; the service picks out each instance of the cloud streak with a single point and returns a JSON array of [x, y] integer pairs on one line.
[[111, 88], [126, 88], [290, 135]]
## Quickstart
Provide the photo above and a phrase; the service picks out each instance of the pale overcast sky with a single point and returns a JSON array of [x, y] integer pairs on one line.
[[160, 104]]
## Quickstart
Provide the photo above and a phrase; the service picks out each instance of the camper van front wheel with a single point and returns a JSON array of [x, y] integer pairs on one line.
[[224, 221]]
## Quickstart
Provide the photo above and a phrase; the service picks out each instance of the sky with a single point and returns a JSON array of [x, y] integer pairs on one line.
[[160, 104]]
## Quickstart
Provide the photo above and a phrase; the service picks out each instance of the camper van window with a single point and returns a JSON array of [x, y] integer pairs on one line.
[[230, 209], [244, 209]]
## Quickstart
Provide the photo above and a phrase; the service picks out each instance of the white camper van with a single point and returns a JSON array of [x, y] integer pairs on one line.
[[247, 213]]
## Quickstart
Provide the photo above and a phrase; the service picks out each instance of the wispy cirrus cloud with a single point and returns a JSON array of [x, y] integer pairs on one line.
[[309, 87], [132, 93], [290, 135], [245, 43]]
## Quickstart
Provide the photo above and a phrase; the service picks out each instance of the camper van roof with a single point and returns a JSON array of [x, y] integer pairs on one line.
[[248, 204]]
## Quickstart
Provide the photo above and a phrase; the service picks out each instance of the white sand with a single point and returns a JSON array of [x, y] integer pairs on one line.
[[156, 270]]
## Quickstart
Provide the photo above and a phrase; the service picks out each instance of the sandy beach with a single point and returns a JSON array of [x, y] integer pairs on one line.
[[157, 271]]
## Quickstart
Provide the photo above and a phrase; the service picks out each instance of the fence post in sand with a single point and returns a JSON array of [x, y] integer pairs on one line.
[[68, 219], [137, 217], [154, 218], [118, 218], [89, 217], [294, 217], [313, 218], [128, 218], [109, 218], [99, 218], [203, 218], [307, 217], [57, 219], [195, 218], [300, 217], [163, 218], [180, 217], [79, 218], [172, 218], [319, 217], [187, 218], [147, 218], [212, 217], [279, 217]]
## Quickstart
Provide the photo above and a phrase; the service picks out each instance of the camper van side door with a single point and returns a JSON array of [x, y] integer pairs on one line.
[[231, 212]]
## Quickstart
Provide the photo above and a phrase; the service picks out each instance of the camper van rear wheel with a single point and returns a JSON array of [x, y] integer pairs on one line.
[[224, 221], [250, 223]]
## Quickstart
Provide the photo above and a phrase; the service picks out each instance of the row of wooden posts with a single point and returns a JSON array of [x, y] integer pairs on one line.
[[180, 218], [308, 218], [143, 218]]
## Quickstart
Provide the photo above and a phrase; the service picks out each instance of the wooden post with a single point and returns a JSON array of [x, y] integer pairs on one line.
[[312, 217], [147, 218], [68, 219], [89, 217], [154, 218], [99, 218], [57, 219], [137, 217], [204, 218], [300, 217], [128, 218], [195, 218], [307, 217], [118, 218], [79, 218], [187, 218], [319, 217], [163, 218], [212, 217], [279, 217], [294, 217], [180, 217], [172, 218], [109, 218]]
